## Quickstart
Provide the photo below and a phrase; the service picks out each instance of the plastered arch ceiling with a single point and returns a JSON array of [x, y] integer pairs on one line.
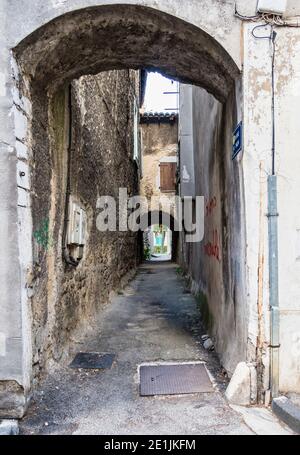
[[103, 38]]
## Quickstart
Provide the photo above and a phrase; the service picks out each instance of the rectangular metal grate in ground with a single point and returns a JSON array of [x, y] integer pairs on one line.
[[93, 360], [174, 379]]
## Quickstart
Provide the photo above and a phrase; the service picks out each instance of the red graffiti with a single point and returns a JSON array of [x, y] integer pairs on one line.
[[211, 205], [212, 249]]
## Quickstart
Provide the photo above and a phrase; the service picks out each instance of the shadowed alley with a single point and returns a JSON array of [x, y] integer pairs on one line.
[[155, 318]]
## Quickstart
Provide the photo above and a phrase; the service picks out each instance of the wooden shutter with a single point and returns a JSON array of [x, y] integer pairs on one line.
[[168, 176]]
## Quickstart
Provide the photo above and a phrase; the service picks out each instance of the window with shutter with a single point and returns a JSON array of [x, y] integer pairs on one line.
[[168, 177]]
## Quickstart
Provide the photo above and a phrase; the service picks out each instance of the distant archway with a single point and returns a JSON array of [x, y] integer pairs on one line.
[[161, 218]]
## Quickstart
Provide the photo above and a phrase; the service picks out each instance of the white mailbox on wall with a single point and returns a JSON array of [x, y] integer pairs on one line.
[[77, 222], [76, 229]]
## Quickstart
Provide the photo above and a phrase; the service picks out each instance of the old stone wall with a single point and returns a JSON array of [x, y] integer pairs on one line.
[[97, 154]]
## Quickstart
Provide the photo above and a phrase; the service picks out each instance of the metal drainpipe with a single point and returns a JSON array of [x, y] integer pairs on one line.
[[273, 279], [273, 251]]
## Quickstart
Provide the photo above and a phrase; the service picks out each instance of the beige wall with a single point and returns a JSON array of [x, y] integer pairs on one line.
[[160, 144]]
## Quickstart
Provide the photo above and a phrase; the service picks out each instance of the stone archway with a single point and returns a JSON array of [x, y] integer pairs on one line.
[[89, 41], [132, 36], [166, 219]]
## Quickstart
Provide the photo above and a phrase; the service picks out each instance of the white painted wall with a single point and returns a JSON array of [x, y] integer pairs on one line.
[[288, 169], [258, 133], [256, 166]]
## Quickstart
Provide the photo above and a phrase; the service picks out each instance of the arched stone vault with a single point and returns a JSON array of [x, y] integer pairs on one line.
[[124, 36], [215, 17]]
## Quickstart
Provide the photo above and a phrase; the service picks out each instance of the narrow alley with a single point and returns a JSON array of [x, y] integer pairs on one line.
[[155, 319], [149, 220]]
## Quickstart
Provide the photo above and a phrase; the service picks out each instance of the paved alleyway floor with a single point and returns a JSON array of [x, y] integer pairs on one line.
[[155, 319]]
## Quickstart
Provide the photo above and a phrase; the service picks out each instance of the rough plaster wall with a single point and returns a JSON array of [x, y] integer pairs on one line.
[[293, 8], [257, 166], [216, 265], [100, 163], [287, 69]]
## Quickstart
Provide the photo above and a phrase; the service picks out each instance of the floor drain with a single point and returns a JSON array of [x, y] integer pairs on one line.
[[93, 360], [174, 379]]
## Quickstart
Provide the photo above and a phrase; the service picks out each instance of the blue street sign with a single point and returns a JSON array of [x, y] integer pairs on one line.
[[237, 140]]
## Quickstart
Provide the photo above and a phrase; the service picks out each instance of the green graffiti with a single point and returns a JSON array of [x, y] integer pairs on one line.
[[42, 235]]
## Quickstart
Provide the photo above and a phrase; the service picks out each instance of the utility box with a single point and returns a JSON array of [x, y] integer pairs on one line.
[[76, 230], [272, 6]]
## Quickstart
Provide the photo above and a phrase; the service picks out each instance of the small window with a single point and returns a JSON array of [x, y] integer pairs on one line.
[[168, 177]]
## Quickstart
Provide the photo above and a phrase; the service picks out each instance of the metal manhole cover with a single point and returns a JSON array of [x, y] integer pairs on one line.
[[174, 379], [93, 360]]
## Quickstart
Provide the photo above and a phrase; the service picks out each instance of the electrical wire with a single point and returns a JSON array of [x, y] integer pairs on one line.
[[261, 37], [274, 19]]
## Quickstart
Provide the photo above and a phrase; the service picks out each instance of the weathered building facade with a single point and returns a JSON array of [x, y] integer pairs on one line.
[[45, 47]]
